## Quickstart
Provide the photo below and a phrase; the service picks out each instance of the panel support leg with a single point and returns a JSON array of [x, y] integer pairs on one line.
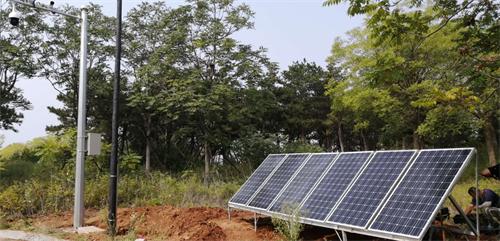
[[344, 236], [431, 232], [340, 238], [467, 220], [255, 221], [229, 213]]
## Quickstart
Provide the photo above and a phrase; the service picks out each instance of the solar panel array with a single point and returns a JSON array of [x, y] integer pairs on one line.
[[388, 194], [300, 186], [272, 187], [366, 194], [256, 179], [333, 184], [421, 191]]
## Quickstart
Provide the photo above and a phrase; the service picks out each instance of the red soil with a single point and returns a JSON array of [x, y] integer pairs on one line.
[[170, 223], [180, 224]]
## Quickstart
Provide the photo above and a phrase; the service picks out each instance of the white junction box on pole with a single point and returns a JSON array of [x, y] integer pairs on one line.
[[94, 144]]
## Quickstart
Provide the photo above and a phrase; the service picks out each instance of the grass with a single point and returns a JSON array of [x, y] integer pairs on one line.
[[460, 194], [32, 197]]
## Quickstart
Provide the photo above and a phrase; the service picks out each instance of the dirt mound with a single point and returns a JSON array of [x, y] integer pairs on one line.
[[171, 223]]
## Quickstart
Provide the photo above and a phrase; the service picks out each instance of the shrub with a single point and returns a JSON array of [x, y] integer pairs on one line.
[[12, 201], [55, 194], [289, 226]]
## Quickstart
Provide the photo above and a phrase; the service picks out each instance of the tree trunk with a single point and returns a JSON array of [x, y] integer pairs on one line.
[[206, 176], [148, 145], [490, 139], [341, 139], [148, 156], [302, 136], [403, 143], [416, 141], [363, 138]]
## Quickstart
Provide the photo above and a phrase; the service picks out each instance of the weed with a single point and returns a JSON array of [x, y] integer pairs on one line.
[[289, 226]]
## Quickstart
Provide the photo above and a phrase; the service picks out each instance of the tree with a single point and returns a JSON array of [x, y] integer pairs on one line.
[[390, 86], [305, 104], [195, 89], [19, 48], [219, 67], [144, 33], [478, 24], [60, 61]]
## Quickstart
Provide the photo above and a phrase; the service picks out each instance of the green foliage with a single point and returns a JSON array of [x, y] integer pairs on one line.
[[289, 226], [300, 147], [18, 59], [18, 163], [439, 60], [304, 102], [60, 65], [41, 195]]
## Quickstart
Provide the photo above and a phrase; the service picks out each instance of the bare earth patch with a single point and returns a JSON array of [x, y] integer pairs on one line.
[[169, 223], [181, 224]]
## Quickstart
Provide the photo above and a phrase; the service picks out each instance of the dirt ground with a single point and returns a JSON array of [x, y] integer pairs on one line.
[[179, 224], [168, 223]]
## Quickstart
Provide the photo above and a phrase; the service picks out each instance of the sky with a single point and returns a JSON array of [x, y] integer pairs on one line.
[[291, 30]]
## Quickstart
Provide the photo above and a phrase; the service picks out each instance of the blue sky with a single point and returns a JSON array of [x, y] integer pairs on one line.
[[291, 30]]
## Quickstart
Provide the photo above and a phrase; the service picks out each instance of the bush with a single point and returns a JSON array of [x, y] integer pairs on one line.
[[56, 193], [289, 226]]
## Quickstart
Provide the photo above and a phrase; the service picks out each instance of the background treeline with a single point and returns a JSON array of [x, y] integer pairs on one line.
[[196, 104]]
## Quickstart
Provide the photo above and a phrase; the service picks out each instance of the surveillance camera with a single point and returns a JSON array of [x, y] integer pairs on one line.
[[14, 17], [52, 4]]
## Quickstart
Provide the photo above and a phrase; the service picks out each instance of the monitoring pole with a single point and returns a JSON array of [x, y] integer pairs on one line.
[[115, 122], [82, 100], [78, 216]]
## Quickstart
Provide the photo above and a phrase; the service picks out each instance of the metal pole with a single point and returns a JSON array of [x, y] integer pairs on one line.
[[255, 221], [344, 236], [467, 220], [229, 213], [113, 170], [477, 197], [43, 7], [78, 216]]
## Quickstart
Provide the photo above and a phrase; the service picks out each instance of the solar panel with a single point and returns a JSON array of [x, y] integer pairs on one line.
[[277, 181], [336, 180], [370, 188], [298, 188], [256, 179], [421, 192]]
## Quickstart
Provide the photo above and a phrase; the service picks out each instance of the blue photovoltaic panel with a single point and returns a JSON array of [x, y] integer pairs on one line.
[[334, 183], [420, 193], [277, 181], [256, 179], [300, 186], [370, 188]]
